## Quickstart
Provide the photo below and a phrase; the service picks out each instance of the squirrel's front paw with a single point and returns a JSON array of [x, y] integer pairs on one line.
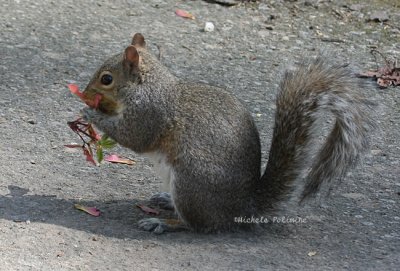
[[91, 115], [162, 200]]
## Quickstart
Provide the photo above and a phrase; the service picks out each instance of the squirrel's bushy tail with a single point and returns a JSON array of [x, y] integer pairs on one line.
[[305, 96]]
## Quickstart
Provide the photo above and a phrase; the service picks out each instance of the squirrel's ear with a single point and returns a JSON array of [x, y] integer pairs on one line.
[[131, 58], [138, 40]]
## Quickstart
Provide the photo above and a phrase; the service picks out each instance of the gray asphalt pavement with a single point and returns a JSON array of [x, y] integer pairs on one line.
[[44, 45]]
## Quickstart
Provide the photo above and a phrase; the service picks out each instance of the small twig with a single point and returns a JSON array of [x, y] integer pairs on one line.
[[186, 47], [332, 40], [160, 52]]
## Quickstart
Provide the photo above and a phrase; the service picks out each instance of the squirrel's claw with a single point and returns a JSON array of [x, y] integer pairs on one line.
[[158, 225], [92, 115], [88, 114]]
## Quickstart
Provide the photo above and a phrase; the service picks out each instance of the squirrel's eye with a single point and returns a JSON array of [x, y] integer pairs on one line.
[[106, 79]]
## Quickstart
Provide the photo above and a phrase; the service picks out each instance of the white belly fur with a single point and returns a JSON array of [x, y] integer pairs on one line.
[[163, 169]]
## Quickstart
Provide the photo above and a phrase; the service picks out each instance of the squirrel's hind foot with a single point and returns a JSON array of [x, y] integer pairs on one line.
[[158, 225]]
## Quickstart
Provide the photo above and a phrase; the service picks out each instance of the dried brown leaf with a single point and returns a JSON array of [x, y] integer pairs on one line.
[[148, 210], [387, 75]]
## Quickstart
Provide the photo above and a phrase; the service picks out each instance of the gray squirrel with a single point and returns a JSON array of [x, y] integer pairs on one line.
[[205, 143]]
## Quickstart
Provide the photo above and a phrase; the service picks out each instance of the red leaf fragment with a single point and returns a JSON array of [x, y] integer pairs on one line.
[[113, 158], [91, 103], [73, 146], [75, 90], [95, 102], [89, 156], [97, 99], [90, 210], [184, 14], [147, 210]]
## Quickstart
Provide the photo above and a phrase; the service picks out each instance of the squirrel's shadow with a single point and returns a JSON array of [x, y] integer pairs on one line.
[[118, 218]]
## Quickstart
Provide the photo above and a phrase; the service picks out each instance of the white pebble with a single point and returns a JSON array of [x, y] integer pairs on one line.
[[209, 27]]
